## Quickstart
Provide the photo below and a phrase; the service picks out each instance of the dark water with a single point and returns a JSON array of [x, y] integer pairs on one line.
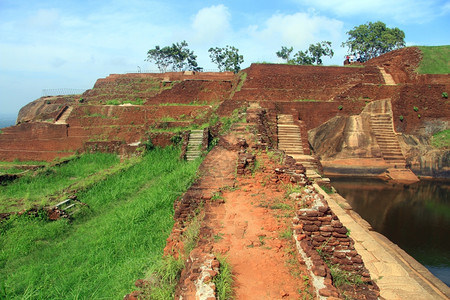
[[415, 217]]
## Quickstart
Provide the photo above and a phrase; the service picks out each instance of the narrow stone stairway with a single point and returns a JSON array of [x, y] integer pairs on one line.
[[195, 144], [61, 119], [290, 141], [289, 137], [383, 130], [387, 77]]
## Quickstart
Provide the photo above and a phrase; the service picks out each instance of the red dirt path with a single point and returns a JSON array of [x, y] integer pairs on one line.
[[247, 230]]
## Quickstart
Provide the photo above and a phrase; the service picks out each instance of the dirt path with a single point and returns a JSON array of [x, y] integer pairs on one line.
[[252, 230]]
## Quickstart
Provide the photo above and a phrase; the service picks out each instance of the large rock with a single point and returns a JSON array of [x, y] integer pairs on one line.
[[344, 137]]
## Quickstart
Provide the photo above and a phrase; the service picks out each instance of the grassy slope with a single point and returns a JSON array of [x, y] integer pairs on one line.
[[436, 60], [34, 189], [102, 252]]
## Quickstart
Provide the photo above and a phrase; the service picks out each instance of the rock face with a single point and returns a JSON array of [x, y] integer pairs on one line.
[[424, 159], [344, 137], [42, 109]]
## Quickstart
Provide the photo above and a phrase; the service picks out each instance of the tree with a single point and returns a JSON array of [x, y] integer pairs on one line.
[[373, 39], [285, 53], [301, 58], [320, 49], [178, 56], [226, 59], [311, 56]]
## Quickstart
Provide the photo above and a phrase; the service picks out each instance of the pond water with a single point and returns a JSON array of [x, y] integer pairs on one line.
[[416, 217]]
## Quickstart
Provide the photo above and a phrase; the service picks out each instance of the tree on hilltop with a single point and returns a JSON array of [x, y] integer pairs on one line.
[[227, 58], [373, 39], [285, 53], [178, 56], [311, 56]]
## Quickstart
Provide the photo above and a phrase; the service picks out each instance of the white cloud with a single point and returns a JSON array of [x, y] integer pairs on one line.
[[211, 24], [402, 11], [298, 30]]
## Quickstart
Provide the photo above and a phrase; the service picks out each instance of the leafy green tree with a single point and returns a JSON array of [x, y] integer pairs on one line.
[[311, 56], [161, 57], [285, 53], [301, 58], [373, 39], [320, 49], [227, 58], [178, 56]]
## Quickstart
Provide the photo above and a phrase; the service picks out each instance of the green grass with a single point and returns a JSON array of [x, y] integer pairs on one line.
[[110, 244], [441, 139], [436, 60], [224, 280], [305, 100], [35, 188]]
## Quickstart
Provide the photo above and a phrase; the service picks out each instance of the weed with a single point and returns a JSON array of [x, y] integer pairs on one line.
[[327, 189], [164, 279], [401, 118], [218, 237], [441, 139], [340, 107], [415, 108], [445, 95], [286, 234], [217, 196], [190, 236], [261, 239], [224, 280]]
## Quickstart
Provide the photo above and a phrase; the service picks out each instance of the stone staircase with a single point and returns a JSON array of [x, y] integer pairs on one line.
[[61, 118], [290, 141], [289, 137], [387, 77], [195, 145], [387, 140], [383, 129]]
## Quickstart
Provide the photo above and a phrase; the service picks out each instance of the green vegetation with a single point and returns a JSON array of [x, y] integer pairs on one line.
[[306, 100], [39, 187], [415, 108], [138, 101], [224, 280], [236, 117], [441, 139], [435, 60], [178, 57], [314, 56], [373, 39], [117, 237], [444, 95], [242, 79], [163, 279], [227, 58]]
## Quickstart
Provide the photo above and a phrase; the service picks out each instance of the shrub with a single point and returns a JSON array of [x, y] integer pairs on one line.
[[445, 95], [401, 118], [340, 107], [416, 108]]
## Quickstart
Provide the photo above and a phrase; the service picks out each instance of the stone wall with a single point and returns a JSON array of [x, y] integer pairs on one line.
[[328, 246]]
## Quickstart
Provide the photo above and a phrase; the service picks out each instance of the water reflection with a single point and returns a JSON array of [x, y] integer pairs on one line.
[[415, 217]]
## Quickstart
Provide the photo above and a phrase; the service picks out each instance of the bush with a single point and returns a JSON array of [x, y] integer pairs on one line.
[[416, 108], [401, 118], [340, 107], [445, 95]]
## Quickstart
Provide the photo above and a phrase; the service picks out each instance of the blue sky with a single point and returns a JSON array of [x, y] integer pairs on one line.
[[50, 44]]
